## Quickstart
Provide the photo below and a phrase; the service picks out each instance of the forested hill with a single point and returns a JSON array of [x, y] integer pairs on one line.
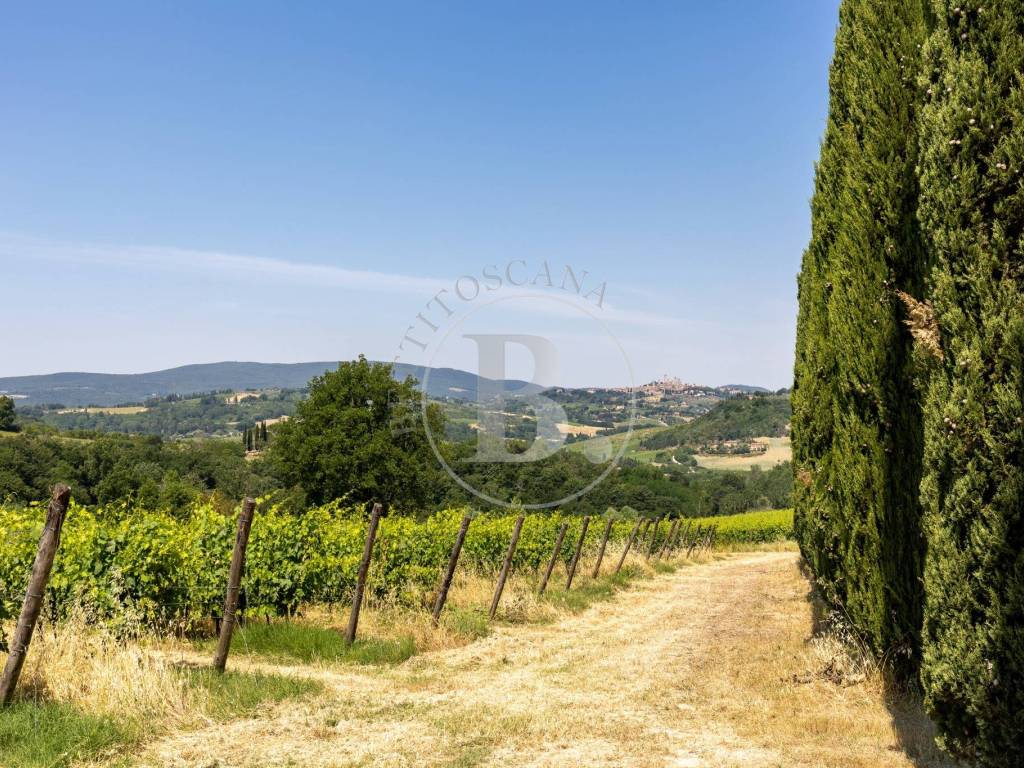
[[739, 418], [109, 389]]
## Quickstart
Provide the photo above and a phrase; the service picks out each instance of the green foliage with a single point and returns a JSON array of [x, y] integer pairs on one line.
[[122, 562], [211, 414], [857, 437], [856, 418], [360, 436], [672, 489], [586, 592], [290, 640], [972, 208], [52, 735], [8, 421], [232, 694], [470, 622], [762, 527], [111, 468], [744, 416]]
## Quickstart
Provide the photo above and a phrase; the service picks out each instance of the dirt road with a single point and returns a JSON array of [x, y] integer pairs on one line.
[[708, 666]]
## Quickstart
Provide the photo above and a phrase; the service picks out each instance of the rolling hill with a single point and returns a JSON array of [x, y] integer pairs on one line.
[[739, 418], [107, 389]]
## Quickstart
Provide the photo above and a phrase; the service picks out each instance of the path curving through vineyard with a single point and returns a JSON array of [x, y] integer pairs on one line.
[[708, 666]]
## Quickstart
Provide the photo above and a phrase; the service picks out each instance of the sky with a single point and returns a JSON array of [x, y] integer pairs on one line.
[[185, 183]]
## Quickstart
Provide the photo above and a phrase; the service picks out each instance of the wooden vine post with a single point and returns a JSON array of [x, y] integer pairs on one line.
[[693, 542], [668, 537], [364, 570], [684, 531], [554, 558], [506, 566], [227, 625], [576, 555], [710, 539], [654, 537], [33, 604], [629, 543], [449, 574], [674, 542], [604, 544]]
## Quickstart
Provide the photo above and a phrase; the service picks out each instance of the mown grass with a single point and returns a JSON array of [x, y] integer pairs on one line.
[[586, 591], [470, 623], [291, 640], [54, 734], [234, 693]]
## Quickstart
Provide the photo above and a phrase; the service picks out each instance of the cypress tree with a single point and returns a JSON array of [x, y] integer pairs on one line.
[[856, 421], [812, 422], [972, 209]]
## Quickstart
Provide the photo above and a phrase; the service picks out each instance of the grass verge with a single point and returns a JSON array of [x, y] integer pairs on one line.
[[53, 735], [232, 694], [588, 591], [298, 641]]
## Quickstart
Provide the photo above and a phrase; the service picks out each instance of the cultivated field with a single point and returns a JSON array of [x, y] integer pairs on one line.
[[779, 450], [117, 410]]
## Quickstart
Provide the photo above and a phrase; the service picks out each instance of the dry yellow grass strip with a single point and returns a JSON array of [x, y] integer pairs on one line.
[[779, 450], [713, 665]]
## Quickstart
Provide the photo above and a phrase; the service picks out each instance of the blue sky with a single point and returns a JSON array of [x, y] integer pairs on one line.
[[195, 182]]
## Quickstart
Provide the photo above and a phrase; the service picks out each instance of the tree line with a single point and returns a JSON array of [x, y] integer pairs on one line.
[[359, 436], [205, 414], [908, 400]]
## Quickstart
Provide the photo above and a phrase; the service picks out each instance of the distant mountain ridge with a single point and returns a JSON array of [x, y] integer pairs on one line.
[[75, 389]]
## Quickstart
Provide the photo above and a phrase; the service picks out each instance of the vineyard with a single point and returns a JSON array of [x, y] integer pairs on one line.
[[171, 569], [134, 595]]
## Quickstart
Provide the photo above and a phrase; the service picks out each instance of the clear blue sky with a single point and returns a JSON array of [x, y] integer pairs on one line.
[[186, 182]]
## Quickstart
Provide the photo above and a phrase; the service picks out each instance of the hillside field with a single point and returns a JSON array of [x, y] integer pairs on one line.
[[779, 450]]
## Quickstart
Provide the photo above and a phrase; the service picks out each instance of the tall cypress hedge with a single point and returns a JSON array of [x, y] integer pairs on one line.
[[856, 418], [972, 210], [816, 515]]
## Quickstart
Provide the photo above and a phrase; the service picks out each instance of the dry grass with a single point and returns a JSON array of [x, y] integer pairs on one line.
[[87, 696], [116, 410], [142, 683], [923, 325], [738, 547], [76, 664], [701, 667], [577, 429], [779, 450], [814, 698], [465, 615]]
